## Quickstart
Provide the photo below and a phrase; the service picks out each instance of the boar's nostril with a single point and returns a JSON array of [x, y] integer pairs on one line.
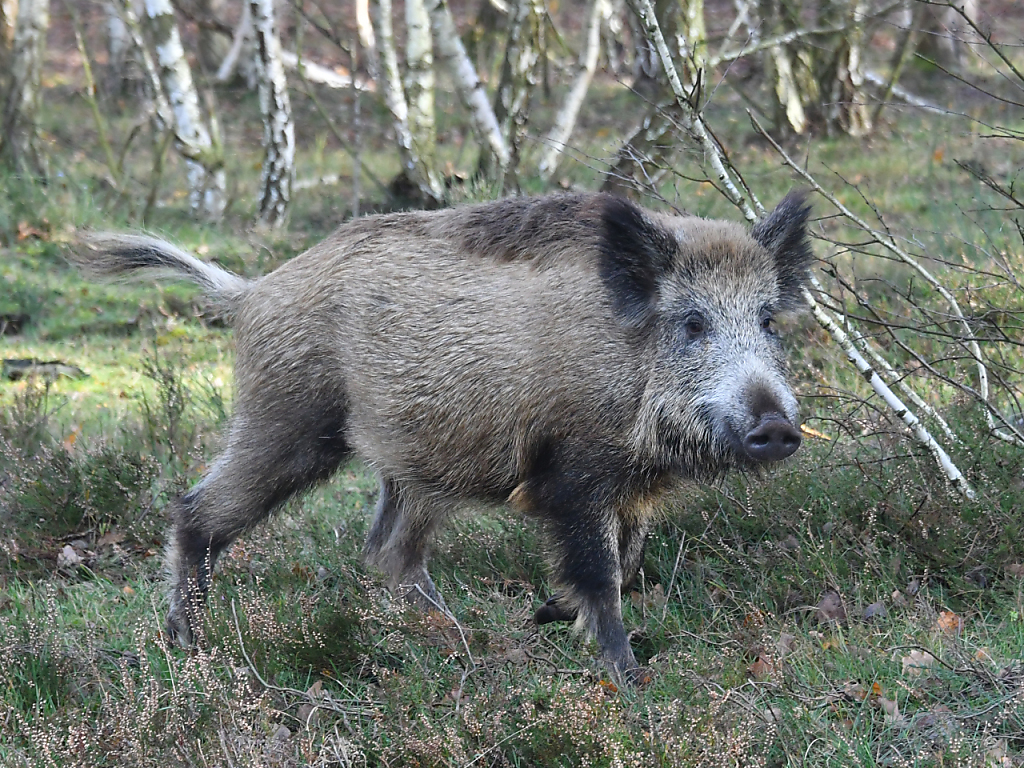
[[773, 439]]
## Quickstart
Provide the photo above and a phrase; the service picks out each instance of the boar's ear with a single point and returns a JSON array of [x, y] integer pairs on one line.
[[783, 233], [634, 254]]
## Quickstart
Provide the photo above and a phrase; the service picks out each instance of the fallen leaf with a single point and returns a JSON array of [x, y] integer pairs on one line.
[[917, 662], [608, 685], [983, 655], [761, 669], [831, 609], [126, 590], [1015, 569], [898, 600], [949, 623]]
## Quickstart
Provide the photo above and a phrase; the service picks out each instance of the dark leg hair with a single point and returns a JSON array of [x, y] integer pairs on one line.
[[573, 496], [266, 463]]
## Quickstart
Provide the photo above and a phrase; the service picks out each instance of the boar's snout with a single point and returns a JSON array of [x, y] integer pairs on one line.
[[773, 439]]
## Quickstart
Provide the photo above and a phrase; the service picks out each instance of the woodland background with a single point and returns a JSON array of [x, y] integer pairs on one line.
[[861, 605]]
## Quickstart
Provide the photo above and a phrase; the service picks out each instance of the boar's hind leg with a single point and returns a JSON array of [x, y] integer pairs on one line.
[[399, 542], [264, 465]]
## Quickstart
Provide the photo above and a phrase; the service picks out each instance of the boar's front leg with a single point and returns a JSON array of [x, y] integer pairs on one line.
[[580, 516], [633, 529]]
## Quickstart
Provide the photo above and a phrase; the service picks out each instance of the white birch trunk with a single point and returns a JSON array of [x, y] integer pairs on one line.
[[849, 108], [240, 58], [419, 78], [367, 39], [278, 128], [19, 140], [565, 120], [163, 116], [204, 162], [518, 77], [119, 43], [452, 54], [415, 167]]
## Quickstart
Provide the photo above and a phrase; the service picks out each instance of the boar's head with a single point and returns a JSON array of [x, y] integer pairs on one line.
[[702, 297]]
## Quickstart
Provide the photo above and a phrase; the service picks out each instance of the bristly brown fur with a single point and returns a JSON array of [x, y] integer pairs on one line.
[[575, 355]]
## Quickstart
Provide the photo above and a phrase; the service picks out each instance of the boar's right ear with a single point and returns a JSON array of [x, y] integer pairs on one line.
[[783, 233], [634, 254]]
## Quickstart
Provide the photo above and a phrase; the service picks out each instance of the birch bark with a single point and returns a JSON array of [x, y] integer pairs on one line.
[[19, 140], [419, 79], [415, 167], [555, 141], [204, 160], [8, 19], [518, 77], [848, 110], [452, 54], [278, 128]]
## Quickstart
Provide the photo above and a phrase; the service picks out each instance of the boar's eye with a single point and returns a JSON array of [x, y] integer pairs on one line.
[[694, 326], [766, 323]]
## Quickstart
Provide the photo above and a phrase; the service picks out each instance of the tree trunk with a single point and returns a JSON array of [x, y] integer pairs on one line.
[[8, 20], [643, 159], [417, 169], [471, 92], [204, 159], [555, 141], [19, 140], [818, 80], [119, 46], [213, 44], [278, 128], [515, 86], [419, 78], [944, 33], [848, 110]]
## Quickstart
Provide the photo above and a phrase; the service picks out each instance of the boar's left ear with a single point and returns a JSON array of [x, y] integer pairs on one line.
[[634, 255], [783, 233]]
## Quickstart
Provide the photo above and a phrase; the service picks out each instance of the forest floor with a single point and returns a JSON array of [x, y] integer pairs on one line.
[[846, 609]]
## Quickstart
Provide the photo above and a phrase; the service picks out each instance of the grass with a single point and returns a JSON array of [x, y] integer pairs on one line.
[[846, 610]]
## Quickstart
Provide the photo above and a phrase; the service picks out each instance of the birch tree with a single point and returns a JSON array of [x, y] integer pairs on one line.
[[8, 19], [816, 78], [452, 54], [278, 128], [417, 168], [203, 156], [518, 77], [565, 120], [19, 139], [419, 80]]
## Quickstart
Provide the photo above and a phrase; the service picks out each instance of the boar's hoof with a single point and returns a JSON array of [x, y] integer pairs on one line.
[[178, 628], [553, 610], [416, 588], [773, 439]]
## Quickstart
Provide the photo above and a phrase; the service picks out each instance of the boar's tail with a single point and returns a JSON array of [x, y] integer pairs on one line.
[[111, 255]]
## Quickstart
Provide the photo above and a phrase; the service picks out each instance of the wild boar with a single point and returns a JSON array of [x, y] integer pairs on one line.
[[575, 356]]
